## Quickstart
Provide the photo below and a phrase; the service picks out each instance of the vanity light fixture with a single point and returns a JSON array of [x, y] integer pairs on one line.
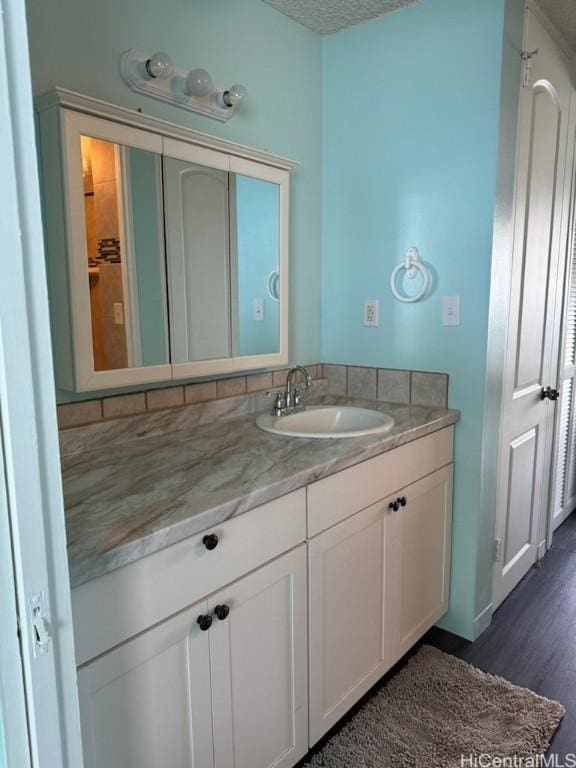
[[199, 82], [155, 75], [233, 95], [160, 66]]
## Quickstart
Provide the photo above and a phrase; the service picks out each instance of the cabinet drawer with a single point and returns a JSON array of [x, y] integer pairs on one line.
[[120, 604], [337, 497]]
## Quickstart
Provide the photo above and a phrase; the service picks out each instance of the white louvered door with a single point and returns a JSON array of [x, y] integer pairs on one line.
[[565, 475]]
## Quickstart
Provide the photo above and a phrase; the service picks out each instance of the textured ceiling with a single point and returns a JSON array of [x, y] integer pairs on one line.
[[562, 13], [328, 16]]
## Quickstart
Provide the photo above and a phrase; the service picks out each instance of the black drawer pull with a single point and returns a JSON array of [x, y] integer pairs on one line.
[[204, 622], [210, 541], [221, 612]]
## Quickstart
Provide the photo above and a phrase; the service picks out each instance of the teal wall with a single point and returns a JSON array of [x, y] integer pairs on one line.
[[77, 44], [411, 115], [408, 123], [258, 243]]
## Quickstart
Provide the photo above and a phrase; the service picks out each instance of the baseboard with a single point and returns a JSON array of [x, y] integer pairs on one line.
[[541, 551], [483, 620]]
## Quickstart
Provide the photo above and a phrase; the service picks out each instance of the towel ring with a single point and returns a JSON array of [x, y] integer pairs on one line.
[[273, 285], [413, 265]]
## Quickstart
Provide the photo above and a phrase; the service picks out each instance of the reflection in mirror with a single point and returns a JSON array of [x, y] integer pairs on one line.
[[256, 241], [223, 244], [197, 244], [124, 238]]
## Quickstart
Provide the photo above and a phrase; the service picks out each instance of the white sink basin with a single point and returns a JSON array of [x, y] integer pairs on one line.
[[327, 421]]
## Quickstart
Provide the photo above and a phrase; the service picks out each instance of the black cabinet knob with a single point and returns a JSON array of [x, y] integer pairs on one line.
[[394, 505], [403, 501], [222, 612], [210, 541], [204, 622]]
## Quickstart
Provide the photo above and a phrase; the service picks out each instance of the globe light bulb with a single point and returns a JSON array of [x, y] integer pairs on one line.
[[160, 66], [233, 95], [199, 83]]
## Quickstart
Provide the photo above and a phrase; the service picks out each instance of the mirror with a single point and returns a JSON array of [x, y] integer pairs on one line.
[[125, 250], [223, 244], [172, 259], [255, 252]]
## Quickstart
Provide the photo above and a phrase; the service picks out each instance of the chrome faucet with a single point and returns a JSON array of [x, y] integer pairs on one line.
[[290, 400]]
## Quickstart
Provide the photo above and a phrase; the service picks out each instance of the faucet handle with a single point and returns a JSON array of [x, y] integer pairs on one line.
[[279, 400], [298, 397]]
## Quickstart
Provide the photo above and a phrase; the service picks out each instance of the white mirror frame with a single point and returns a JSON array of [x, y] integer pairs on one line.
[[201, 156], [74, 125], [64, 116]]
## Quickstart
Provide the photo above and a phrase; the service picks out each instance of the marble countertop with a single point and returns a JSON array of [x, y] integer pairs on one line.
[[130, 499]]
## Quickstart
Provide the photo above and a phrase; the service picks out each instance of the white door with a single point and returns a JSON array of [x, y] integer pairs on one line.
[[259, 667], [147, 703], [418, 536], [14, 747], [34, 568], [348, 646], [198, 259], [534, 319]]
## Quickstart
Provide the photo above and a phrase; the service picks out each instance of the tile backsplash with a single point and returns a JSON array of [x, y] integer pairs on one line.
[[92, 411], [384, 384], [388, 384]]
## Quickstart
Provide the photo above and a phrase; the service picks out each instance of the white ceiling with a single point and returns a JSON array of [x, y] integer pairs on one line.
[[328, 16], [562, 13]]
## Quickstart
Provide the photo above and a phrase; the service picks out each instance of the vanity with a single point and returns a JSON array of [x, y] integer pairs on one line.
[[246, 640], [235, 589]]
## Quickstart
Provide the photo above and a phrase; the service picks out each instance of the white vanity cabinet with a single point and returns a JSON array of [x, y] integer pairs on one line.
[[306, 602], [417, 557], [259, 667], [231, 695], [147, 703], [156, 689], [347, 600], [378, 577]]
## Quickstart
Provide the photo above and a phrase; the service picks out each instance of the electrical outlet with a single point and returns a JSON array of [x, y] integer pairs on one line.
[[119, 313], [371, 313]]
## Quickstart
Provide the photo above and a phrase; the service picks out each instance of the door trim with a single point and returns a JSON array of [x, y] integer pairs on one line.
[[546, 538], [554, 297], [28, 413]]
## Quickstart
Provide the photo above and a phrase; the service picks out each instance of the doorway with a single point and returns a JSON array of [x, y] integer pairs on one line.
[[530, 388]]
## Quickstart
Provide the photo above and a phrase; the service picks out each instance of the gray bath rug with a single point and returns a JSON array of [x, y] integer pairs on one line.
[[437, 710]]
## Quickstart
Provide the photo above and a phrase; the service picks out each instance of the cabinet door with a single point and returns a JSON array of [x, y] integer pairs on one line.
[[147, 703], [418, 560], [347, 591], [258, 667]]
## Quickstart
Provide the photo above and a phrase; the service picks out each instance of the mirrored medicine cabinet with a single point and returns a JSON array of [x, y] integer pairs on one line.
[[167, 250]]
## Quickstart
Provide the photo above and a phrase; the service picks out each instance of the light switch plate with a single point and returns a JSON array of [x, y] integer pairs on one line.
[[450, 310], [258, 309]]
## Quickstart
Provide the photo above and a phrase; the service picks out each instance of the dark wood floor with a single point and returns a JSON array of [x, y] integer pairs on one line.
[[532, 638]]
